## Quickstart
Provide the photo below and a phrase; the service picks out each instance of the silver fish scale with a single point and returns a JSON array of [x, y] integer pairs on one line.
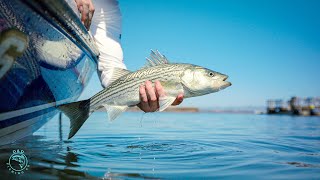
[[126, 89]]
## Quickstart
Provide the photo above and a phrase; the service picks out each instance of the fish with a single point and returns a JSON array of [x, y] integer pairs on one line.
[[123, 92]]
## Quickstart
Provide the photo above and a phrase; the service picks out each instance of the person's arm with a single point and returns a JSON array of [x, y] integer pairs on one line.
[[106, 30]]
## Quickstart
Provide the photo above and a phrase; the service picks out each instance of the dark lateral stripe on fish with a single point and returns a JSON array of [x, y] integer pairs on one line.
[[134, 75], [124, 85]]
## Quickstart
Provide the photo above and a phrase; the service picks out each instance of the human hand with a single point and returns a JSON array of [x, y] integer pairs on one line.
[[86, 10], [149, 96]]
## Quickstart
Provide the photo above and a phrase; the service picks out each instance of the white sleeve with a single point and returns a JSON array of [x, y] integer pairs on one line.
[[106, 30]]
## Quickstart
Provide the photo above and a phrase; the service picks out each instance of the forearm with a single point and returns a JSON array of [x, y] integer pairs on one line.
[[106, 30], [111, 56]]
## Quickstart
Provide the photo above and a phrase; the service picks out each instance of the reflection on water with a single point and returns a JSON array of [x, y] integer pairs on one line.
[[169, 145]]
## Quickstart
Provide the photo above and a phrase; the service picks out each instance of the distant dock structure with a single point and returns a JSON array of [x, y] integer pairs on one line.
[[295, 106]]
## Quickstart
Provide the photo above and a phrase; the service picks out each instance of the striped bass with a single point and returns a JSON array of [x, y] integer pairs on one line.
[[123, 92]]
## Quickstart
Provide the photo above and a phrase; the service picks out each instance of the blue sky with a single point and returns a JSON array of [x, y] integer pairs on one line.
[[269, 49]]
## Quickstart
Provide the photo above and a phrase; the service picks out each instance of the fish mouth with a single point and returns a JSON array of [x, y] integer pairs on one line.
[[225, 83], [228, 83], [225, 77]]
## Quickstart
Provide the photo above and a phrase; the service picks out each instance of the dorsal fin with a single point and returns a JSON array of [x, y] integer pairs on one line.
[[156, 58], [117, 73]]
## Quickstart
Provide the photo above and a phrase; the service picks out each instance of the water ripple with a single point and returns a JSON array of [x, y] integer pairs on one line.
[[175, 145]]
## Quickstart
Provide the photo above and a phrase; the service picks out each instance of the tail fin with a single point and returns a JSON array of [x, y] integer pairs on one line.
[[78, 113]]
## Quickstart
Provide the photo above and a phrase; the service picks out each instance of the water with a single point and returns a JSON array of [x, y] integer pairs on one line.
[[174, 145]]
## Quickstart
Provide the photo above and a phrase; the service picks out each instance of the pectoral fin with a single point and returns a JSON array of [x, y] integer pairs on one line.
[[165, 102], [171, 89], [114, 111]]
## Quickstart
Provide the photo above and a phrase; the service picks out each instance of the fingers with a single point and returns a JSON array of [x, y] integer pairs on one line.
[[86, 10], [91, 13], [153, 100], [159, 89], [85, 14], [144, 105], [178, 100], [79, 4], [149, 96]]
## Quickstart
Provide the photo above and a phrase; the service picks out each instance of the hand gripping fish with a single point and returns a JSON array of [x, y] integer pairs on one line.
[[123, 92]]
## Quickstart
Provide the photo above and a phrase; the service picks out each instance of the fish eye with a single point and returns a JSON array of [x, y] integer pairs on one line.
[[211, 74]]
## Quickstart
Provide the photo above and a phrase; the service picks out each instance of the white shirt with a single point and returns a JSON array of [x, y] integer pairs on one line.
[[106, 30]]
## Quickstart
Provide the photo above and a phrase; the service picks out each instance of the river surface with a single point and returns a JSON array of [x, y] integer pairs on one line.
[[173, 146]]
